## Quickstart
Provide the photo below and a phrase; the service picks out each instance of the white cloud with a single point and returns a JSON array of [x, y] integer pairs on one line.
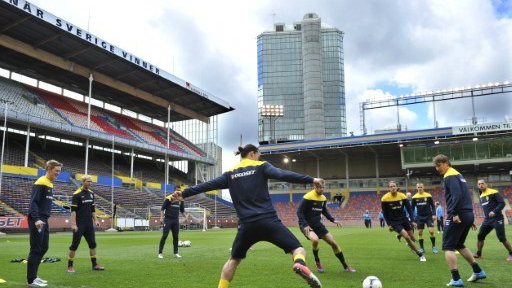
[[386, 118], [426, 45]]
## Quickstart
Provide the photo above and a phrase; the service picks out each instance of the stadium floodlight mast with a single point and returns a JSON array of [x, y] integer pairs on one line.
[[471, 92], [272, 112]]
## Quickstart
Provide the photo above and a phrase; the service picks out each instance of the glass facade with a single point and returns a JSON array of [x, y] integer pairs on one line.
[[280, 82], [461, 151], [334, 85]]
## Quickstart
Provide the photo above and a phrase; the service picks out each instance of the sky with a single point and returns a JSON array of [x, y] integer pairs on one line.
[[391, 47]]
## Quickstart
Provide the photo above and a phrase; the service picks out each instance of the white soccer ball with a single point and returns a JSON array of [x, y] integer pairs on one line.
[[187, 243], [372, 282]]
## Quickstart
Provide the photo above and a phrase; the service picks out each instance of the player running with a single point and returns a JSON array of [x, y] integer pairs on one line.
[[492, 204], [393, 204], [424, 205], [310, 211]]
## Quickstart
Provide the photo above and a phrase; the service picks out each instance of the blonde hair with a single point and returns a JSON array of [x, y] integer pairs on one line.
[[52, 164], [85, 177]]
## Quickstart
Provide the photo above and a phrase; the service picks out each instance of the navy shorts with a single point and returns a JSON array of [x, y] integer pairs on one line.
[[488, 225], [86, 230], [455, 234], [424, 220], [405, 225], [268, 229], [319, 230]]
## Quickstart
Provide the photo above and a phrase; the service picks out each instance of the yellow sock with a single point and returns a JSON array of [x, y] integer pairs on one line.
[[299, 256], [223, 283]]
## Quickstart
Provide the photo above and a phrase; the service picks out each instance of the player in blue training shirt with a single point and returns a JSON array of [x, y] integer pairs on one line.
[[310, 211], [423, 204], [38, 213], [258, 221], [171, 210], [492, 204], [83, 220], [393, 204], [459, 219]]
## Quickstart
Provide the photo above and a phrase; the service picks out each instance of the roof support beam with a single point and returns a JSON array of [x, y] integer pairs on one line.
[[14, 24], [125, 74], [44, 41], [147, 82], [74, 53], [83, 71], [104, 64]]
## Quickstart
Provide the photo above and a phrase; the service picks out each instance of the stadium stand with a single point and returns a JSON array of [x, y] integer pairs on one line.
[[23, 100], [128, 199], [351, 212], [50, 106], [76, 113], [223, 211], [16, 193]]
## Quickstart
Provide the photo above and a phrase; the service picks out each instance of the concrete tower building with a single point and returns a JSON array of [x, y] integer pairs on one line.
[[300, 67]]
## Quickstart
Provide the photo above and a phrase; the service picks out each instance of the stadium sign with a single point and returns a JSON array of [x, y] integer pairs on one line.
[[81, 33], [13, 222], [480, 128], [85, 35]]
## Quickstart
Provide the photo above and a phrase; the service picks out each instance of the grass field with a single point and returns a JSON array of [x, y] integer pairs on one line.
[[130, 261]]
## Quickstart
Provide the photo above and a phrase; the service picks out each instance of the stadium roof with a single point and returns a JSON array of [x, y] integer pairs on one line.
[[388, 144], [467, 131], [352, 141], [38, 44]]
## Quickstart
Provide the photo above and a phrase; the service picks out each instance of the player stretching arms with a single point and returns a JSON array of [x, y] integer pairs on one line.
[[248, 187]]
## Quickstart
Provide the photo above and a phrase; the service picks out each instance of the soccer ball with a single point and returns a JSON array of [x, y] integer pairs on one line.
[[372, 282], [187, 243]]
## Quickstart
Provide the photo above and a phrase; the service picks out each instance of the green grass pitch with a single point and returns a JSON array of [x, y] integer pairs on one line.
[[131, 260]]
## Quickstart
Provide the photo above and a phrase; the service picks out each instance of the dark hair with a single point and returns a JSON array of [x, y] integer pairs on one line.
[[244, 151], [441, 159]]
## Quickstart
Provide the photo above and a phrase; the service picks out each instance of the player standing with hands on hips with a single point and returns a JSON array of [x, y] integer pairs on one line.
[[83, 220], [258, 221]]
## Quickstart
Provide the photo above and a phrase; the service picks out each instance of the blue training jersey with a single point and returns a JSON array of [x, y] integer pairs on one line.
[[458, 197], [248, 187]]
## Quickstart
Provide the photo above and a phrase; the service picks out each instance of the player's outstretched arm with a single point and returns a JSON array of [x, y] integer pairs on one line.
[[218, 183]]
